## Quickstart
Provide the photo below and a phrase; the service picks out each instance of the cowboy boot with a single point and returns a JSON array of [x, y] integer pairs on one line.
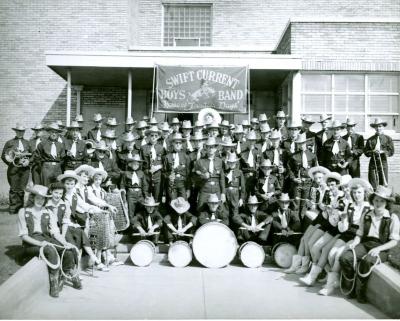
[[305, 265], [331, 284], [311, 277], [53, 278], [361, 289], [76, 281], [296, 263]]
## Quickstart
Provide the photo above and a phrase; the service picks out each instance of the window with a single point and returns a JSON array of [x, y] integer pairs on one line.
[[187, 25], [362, 97]]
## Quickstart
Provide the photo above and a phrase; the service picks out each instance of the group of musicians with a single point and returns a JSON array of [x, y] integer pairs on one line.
[[261, 181]]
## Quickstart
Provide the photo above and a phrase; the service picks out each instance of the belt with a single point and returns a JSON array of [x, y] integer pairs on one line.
[[249, 174], [135, 189], [232, 187], [211, 183], [51, 163]]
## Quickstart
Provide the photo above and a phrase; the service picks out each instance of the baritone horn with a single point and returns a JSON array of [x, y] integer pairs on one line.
[[18, 158]]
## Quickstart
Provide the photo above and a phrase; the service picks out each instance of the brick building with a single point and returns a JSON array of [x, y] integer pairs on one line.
[[59, 58]]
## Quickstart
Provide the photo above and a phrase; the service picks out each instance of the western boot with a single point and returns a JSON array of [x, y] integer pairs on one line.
[[54, 289], [76, 281], [296, 263], [305, 265], [311, 277], [331, 284]]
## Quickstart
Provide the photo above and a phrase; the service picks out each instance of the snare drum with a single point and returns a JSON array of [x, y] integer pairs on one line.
[[283, 253], [142, 253], [252, 254], [214, 245], [180, 254]]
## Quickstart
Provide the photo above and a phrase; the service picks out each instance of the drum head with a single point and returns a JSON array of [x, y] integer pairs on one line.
[[252, 255], [214, 245], [180, 254], [142, 253], [283, 254]]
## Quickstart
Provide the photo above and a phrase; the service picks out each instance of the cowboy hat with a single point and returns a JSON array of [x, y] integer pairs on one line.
[[98, 171], [213, 125], [324, 117], [262, 118], [252, 200], [112, 122], [130, 121], [245, 123], [213, 198], [60, 124], [19, 127], [129, 137], [211, 141], [254, 120], [38, 190], [264, 128], [284, 198], [238, 129], [307, 119], [275, 134], [301, 138], [224, 123], [37, 127], [101, 145], [227, 142], [74, 125], [54, 126], [251, 135], [345, 179], [318, 169], [360, 182], [197, 136], [294, 123], [79, 118], [336, 124], [68, 174], [149, 201], [280, 114], [153, 129], [134, 158], [175, 120], [146, 118], [84, 168], [383, 192], [177, 137], [141, 124], [186, 124], [378, 121], [165, 127], [109, 133], [198, 124], [153, 121], [180, 205], [232, 158], [266, 162], [97, 118], [333, 175], [349, 122]]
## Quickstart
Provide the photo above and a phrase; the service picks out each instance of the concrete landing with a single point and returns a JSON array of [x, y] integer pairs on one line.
[[164, 292]]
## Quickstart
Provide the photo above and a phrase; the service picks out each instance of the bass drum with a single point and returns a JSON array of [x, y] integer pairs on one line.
[[142, 253], [214, 245], [283, 253], [251, 254], [180, 254]]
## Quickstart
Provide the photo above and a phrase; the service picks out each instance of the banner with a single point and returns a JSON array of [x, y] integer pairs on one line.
[[189, 89]]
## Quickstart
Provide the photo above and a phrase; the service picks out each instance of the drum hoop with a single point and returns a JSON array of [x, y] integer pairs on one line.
[[152, 245], [250, 242], [278, 245]]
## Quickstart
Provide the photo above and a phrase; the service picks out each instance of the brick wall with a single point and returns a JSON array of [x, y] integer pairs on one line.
[[255, 22]]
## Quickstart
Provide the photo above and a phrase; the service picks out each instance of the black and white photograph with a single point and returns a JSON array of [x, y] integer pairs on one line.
[[199, 159]]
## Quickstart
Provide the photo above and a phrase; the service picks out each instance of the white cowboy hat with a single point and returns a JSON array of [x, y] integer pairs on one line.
[[318, 169], [38, 190], [87, 168], [180, 205], [213, 198], [98, 171], [360, 182], [253, 200], [68, 174], [149, 201]]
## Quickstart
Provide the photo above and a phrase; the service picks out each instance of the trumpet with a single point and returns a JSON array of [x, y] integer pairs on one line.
[[18, 158]]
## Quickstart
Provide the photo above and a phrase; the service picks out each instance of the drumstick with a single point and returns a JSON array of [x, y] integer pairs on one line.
[[137, 234], [183, 234], [294, 233]]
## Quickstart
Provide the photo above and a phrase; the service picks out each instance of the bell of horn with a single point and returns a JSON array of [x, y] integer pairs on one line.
[[209, 115]]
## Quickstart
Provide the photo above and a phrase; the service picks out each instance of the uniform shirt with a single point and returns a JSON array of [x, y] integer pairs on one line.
[[387, 147], [246, 218], [141, 219], [295, 164], [182, 171], [376, 223], [80, 153], [13, 144], [43, 151], [147, 156], [126, 180], [37, 220], [234, 178], [217, 176], [273, 185], [244, 157], [186, 218], [220, 214], [93, 134], [357, 144], [288, 217], [329, 158], [109, 165]]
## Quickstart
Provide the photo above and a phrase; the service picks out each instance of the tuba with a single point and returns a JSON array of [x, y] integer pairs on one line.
[[18, 158], [90, 146], [208, 116]]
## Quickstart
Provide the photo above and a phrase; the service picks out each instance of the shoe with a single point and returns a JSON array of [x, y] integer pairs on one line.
[[331, 285], [76, 283], [54, 289], [117, 263], [102, 267], [322, 277], [305, 265], [311, 277], [296, 263]]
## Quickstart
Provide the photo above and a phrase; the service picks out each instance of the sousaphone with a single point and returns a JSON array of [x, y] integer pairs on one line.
[[208, 116]]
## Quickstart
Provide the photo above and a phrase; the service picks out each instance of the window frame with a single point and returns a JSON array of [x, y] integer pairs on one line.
[[366, 93]]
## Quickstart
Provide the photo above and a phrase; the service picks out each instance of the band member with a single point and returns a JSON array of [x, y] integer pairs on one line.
[[210, 170], [280, 126], [37, 137], [227, 147], [264, 142], [377, 233], [198, 127], [356, 144], [110, 140], [177, 170], [249, 162], [378, 147], [141, 129], [18, 170], [239, 139], [289, 145], [79, 119], [213, 131], [336, 151], [263, 119], [134, 185], [307, 122], [148, 220], [179, 223], [153, 122], [275, 155], [129, 129], [246, 127], [267, 185], [63, 132], [321, 137], [164, 139], [234, 185], [253, 224], [213, 210], [224, 130], [75, 148], [285, 223], [186, 131], [298, 165], [348, 226], [175, 125], [37, 230], [153, 155], [127, 148], [49, 154], [95, 133], [109, 134]]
